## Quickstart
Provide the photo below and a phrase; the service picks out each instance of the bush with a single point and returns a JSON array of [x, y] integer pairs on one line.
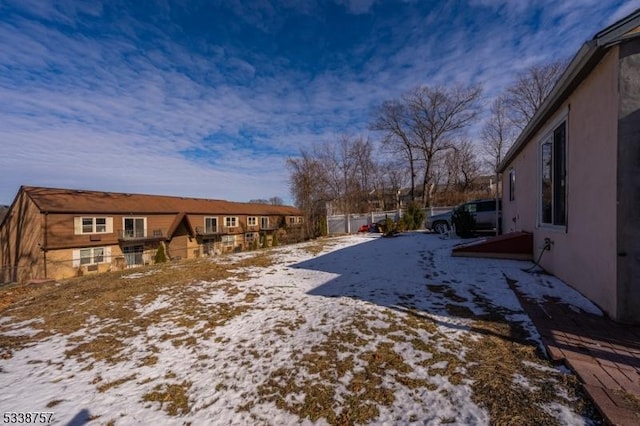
[[160, 256], [413, 217], [464, 223], [274, 242]]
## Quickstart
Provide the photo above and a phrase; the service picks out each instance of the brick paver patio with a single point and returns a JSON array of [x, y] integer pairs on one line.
[[603, 353]]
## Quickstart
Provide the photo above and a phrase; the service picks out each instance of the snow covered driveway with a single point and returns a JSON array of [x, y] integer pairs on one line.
[[350, 330]]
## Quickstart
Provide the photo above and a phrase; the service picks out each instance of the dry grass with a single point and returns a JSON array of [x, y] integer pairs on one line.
[[173, 397], [108, 304], [343, 378]]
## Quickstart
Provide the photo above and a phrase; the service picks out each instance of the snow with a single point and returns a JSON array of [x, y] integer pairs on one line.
[[301, 300]]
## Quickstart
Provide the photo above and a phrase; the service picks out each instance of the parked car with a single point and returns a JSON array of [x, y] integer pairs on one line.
[[372, 227], [483, 211]]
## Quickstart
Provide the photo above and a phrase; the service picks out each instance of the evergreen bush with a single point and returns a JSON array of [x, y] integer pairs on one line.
[[464, 223], [160, 256]]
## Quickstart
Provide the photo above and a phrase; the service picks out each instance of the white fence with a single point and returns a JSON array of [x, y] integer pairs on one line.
[[350, 223]]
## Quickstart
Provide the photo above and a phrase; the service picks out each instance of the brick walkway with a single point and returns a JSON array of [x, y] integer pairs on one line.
[[604, 354]]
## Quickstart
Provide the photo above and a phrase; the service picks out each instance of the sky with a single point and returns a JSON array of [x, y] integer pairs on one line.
[[209, 98], [312, 329]]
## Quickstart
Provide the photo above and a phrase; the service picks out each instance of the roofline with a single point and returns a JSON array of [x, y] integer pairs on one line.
[[27, 188], [580, 66]]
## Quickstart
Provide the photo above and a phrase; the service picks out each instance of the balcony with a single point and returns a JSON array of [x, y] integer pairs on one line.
[[220, 230], [141, 234]]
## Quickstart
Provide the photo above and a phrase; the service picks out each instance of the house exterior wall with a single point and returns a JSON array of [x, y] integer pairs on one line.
[[583, 253], [628, 195], [21, 239]]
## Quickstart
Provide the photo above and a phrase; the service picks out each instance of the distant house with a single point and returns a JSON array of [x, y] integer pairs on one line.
[[58, 233], [572, 177]]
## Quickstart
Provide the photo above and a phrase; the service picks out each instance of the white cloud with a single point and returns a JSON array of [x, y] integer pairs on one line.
[[119, 113]]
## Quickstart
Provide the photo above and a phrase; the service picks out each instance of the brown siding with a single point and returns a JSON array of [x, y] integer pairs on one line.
[[21, 239]]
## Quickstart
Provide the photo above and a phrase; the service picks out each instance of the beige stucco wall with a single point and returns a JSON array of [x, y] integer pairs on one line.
[[584, 254]]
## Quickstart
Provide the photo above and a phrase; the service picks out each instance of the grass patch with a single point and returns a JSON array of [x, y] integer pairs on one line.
[[173, 398], [106, 386]]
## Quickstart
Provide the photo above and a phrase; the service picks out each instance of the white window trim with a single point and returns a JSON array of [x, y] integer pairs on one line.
[[235, 220], [264, 219], [547, 133], [79, 228], [211, 217], [136, 217], [511, 195], [255, 221], [106, 256]]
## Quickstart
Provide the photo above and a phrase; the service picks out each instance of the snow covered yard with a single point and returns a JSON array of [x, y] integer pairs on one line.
[[350, 330]]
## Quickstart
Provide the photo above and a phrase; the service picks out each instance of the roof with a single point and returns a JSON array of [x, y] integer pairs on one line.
[[52, 200], [581, 65]]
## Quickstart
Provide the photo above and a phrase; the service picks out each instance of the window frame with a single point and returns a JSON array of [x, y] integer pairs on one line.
[[512, 184], [263, 220], [94, 225], [557, 172], [228, 219], [251, 219], [207, 229], [228, 240], [92, 256], [135, 219]]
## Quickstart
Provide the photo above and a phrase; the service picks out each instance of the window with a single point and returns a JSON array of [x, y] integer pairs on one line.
[[512, 185], [134, 227], [89, 256], [228, 240], [87, 225], [487, 206], [133, 255], [292, 220], [94, 225], [264, 222], [230, 222], [252, 221], [553, 187], [210, 225], [249, 236], [471, 207]]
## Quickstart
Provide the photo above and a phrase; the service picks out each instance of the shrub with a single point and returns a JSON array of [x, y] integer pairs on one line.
[[414, 216], [464, 223], [274, 242], [160, 256]]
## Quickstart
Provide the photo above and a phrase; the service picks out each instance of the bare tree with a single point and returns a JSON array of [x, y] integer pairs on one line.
[[276, 201], [308, 187], [497, 133], [439, 115], [393, 119], [463, 165], [425, 122], [531, 88]]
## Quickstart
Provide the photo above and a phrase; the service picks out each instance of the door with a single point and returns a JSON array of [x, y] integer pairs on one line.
[[133, 255], [134, 227]]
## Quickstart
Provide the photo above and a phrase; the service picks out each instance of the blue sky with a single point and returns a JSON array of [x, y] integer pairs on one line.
[[208, 98]]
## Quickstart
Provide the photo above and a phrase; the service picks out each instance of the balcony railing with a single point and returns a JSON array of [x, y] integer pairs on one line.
[[141, 234], [220, 230]]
